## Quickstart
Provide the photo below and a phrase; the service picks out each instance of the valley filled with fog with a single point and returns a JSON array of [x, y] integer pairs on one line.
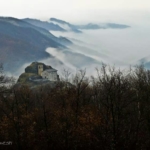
[[117, 47]]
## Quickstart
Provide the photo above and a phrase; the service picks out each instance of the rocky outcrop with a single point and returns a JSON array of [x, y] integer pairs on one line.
[[31, 78]]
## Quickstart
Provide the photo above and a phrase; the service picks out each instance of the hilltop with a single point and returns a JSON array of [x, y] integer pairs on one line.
[[37, 73]]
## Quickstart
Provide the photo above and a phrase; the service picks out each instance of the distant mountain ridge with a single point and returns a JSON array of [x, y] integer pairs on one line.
[[89, 26]]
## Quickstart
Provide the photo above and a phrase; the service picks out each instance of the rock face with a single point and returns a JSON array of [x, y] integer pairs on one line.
[[32, 75]]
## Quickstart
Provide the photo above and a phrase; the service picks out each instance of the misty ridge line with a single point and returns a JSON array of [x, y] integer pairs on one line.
[[55, 24]]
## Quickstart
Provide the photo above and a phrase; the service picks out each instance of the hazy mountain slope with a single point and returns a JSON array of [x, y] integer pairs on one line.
[[90, 25], [15, 52], [116, 26], [44, 24], [11, 25], [71, 26], [27, 34], [21, 42], [44, 28]]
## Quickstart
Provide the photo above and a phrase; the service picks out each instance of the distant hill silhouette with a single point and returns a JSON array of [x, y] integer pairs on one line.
[[71, 26], [90, 26]]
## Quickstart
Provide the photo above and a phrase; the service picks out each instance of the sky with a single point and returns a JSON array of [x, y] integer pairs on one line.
[[74, 10]]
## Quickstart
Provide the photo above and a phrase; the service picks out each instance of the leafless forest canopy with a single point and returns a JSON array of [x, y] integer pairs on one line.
[[109, 112]]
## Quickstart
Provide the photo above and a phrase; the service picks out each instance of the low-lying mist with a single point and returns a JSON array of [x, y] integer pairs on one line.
[[116, 47], [122, 48]]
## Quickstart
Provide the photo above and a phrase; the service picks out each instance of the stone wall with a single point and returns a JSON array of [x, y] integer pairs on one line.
[[33, 68]]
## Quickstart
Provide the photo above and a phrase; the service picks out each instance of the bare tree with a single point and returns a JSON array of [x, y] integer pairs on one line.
[[116, 101], [5, 82]]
